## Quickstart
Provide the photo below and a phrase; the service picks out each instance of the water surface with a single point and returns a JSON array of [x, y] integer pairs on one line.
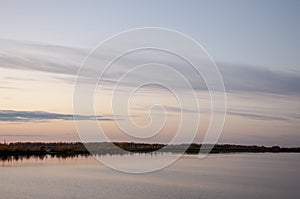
[[218, 176]]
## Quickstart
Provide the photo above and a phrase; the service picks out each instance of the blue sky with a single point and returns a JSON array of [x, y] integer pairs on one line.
[[260, 33], [255, 44]]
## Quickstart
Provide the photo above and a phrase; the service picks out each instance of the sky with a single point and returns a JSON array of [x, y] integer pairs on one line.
[[255, 45]]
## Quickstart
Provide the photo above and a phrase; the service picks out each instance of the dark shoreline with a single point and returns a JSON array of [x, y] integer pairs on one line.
[[73, 149]]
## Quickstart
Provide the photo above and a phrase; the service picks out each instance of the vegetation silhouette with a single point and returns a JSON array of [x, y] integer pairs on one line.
[[64, 149]]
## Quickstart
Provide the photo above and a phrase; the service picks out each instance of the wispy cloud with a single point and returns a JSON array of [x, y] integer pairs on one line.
[[7, 87], [257, 116], [40, 57], [260, 79], [66, 60], [40, 116]]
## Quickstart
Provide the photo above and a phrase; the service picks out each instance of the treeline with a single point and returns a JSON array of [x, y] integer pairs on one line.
[[69, 149], [39, 148], [229, 148]]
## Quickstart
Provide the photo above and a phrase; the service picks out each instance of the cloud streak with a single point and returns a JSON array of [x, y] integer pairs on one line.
[[66, 60], [257, 116], [40, 57], [41, 116], [254, 79]]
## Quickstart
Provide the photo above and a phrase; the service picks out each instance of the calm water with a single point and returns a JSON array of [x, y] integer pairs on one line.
[[218, 176]]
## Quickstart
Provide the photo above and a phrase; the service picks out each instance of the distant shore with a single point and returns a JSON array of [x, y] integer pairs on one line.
[[78, 148]]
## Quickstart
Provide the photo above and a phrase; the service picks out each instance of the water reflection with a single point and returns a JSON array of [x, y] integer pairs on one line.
[[218, 176], [71, 158], [39, 159]]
